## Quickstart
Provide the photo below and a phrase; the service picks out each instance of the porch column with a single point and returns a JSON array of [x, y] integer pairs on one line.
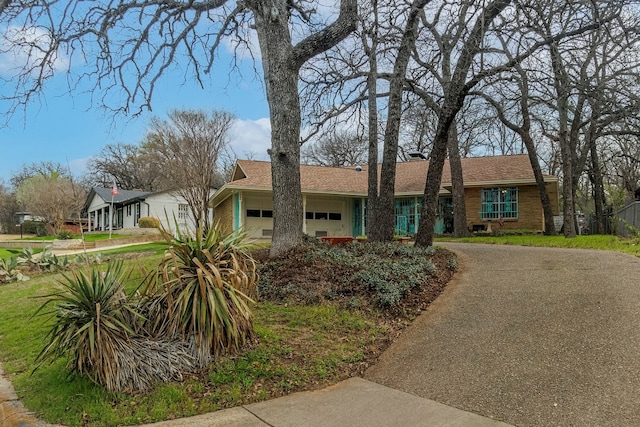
[[304, 213], [238, 220], [416, 213]]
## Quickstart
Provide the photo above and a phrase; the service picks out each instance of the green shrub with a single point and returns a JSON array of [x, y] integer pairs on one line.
[[45, 261], [194, 306], [149, 222], [9, 270], [34, 227], [384, 273], [91, 317], [64, 234]]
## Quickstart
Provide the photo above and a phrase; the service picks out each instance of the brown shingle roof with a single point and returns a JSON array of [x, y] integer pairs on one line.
[[410, 176]]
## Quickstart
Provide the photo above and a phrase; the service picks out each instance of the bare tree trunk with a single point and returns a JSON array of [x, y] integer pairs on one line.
[[549, 224], [372, 177], [385, 216], [281, 83], [457, 182], [595, 176], [562, 86], [455, 92], [424, 236], [281, 62]]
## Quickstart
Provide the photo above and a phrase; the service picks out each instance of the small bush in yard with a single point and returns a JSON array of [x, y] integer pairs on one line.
[[149, 222], [64, 235], [9, 271]]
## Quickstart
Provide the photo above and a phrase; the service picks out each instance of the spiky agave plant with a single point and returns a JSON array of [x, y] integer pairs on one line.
[[207, 281]]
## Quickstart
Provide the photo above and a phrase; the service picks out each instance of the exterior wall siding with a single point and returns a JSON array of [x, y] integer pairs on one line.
[[530, 214], [329, 205], [224, 215]]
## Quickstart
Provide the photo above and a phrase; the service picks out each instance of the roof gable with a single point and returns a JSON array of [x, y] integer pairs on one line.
[[121, 196]]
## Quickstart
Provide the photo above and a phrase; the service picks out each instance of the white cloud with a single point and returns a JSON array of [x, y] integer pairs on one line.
[[251, 138], [24, 49]]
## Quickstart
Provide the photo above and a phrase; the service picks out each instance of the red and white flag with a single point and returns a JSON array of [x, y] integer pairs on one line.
[[114, 188]]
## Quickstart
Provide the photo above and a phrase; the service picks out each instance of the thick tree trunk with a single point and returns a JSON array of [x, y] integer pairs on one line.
[[281, 84], [455, 92], [562, 87], [424, 236], [549, 224], [598, 190], [457, 182], [281, 62]]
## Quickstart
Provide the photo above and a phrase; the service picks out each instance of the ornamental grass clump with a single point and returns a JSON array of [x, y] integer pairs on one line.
[[203, 292]]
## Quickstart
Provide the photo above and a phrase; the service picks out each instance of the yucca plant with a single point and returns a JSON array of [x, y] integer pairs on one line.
[[94, 322], [91, 321], [207, 282]]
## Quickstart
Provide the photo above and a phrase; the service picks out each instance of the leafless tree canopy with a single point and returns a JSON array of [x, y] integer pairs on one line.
[[187, 147], [446, 68], [51, 197], [342, 148], [131, 166], [119, 50], [45, 168]]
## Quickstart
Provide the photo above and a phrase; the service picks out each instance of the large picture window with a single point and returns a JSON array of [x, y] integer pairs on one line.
[[499, 202]]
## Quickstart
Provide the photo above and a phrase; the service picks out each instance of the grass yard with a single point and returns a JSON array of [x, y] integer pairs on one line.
[[601, 242], [8, 253]]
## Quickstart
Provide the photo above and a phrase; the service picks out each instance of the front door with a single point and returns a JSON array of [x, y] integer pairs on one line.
[[444, 220], [119, 218]]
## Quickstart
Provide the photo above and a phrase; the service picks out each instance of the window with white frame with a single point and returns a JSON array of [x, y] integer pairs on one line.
[[183, 211], [499, 202]]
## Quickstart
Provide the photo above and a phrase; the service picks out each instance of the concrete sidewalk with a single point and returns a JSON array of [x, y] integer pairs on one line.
[[355, 403]]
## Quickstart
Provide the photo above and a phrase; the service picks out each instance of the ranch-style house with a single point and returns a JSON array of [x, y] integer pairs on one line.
[[498, 189]]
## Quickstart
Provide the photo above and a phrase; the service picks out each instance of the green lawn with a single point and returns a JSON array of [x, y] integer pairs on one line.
[[8, 253], [601, 242]]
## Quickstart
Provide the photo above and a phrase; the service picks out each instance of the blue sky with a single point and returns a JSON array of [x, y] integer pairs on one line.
[[66, 129]]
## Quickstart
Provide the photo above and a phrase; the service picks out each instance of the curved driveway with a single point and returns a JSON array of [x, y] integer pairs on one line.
[[528, 336]]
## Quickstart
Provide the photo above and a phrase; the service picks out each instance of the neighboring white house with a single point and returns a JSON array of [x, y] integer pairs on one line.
[[124, 208]]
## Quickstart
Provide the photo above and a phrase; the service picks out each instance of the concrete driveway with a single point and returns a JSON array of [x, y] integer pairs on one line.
[[528, 336]]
